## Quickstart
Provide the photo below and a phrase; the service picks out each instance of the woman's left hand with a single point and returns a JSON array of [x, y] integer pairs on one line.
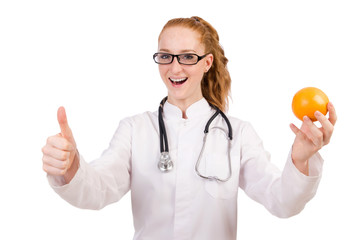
[[309, 139]]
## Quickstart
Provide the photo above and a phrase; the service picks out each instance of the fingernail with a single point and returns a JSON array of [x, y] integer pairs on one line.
[[306, 118]]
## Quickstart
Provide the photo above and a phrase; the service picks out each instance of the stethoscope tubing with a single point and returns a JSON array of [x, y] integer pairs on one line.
[[218, 111], [163, 134], [165, 164]]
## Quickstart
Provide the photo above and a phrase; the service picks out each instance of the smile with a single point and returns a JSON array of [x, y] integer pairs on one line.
[[179, 81]]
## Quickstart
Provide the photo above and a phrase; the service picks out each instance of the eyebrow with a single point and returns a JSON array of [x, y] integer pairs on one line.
[[182, 51]]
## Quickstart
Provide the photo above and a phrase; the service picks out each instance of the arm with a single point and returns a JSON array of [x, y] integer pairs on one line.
[[92, 185], [283, 193]]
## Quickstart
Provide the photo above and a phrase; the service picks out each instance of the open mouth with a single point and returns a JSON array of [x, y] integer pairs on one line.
[[178, 81]]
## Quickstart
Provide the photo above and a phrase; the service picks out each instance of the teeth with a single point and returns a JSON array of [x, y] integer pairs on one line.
[[178, 80]]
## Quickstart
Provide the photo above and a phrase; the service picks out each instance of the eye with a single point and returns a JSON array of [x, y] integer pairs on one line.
[[164, 56], [188, 57]]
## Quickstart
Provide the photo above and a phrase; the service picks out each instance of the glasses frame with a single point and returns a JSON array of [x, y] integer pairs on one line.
[[178, 58]]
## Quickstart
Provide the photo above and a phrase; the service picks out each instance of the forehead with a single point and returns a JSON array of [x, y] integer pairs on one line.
[[179, 39]]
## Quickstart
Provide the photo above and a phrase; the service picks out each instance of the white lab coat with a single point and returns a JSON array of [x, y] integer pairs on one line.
[[179, 204]]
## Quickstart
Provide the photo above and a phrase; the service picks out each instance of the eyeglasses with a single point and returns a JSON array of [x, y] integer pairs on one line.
[[185, 59]]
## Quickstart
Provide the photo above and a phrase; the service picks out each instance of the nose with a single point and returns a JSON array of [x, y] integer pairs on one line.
[[175, 66]]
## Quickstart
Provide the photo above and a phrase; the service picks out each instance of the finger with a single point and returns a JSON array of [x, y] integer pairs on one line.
[[56, 153], [53, 171], [312, 132], [63, 123], [327, 127], [323, 120], [332, 113], [48, 160], [60, 143]]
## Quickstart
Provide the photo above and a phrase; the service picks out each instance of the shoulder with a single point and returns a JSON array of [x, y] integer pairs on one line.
[[140, 117], [139, 120], [238, 124], [242, 129]]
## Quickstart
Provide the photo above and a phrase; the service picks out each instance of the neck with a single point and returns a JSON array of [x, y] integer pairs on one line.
[[183, 104]]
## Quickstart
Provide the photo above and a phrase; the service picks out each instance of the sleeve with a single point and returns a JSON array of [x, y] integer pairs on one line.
[[284, 193], [103, 181]]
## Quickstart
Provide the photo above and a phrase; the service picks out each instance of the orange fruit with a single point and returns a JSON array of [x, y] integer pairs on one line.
[[309, 100]]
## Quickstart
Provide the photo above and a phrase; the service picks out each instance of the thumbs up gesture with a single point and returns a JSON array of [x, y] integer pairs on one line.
[[60, 156]]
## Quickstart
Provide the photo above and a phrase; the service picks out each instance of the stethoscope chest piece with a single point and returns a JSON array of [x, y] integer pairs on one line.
[[165, 164]]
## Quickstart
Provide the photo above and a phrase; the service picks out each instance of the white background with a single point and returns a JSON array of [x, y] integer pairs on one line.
[[95, 58]]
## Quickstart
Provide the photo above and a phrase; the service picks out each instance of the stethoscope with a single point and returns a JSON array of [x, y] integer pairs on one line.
[[166, 164]]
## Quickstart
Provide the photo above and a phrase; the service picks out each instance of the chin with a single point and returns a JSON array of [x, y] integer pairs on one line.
[[177, 97]]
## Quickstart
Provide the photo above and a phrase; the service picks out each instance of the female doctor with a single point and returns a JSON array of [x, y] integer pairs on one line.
[[185, 163]]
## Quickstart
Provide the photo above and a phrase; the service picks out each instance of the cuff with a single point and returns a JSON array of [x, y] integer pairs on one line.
[[315, 167], [58, 183]]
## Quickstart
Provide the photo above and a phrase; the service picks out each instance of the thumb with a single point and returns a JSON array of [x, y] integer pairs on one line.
[[65, 130], [294, 128]]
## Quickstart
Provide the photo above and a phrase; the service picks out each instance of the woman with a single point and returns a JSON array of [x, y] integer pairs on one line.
[[172, 199]]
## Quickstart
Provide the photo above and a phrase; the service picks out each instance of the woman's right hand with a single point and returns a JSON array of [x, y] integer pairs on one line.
[[60, 155]]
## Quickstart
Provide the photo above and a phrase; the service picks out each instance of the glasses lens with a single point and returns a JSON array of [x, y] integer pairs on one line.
[[188, 59], [163, 58]]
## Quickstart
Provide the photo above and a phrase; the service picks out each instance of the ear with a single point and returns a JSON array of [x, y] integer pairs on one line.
[[208, 62]]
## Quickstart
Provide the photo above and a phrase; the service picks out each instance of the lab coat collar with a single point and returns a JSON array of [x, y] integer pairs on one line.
[[197, 109]]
